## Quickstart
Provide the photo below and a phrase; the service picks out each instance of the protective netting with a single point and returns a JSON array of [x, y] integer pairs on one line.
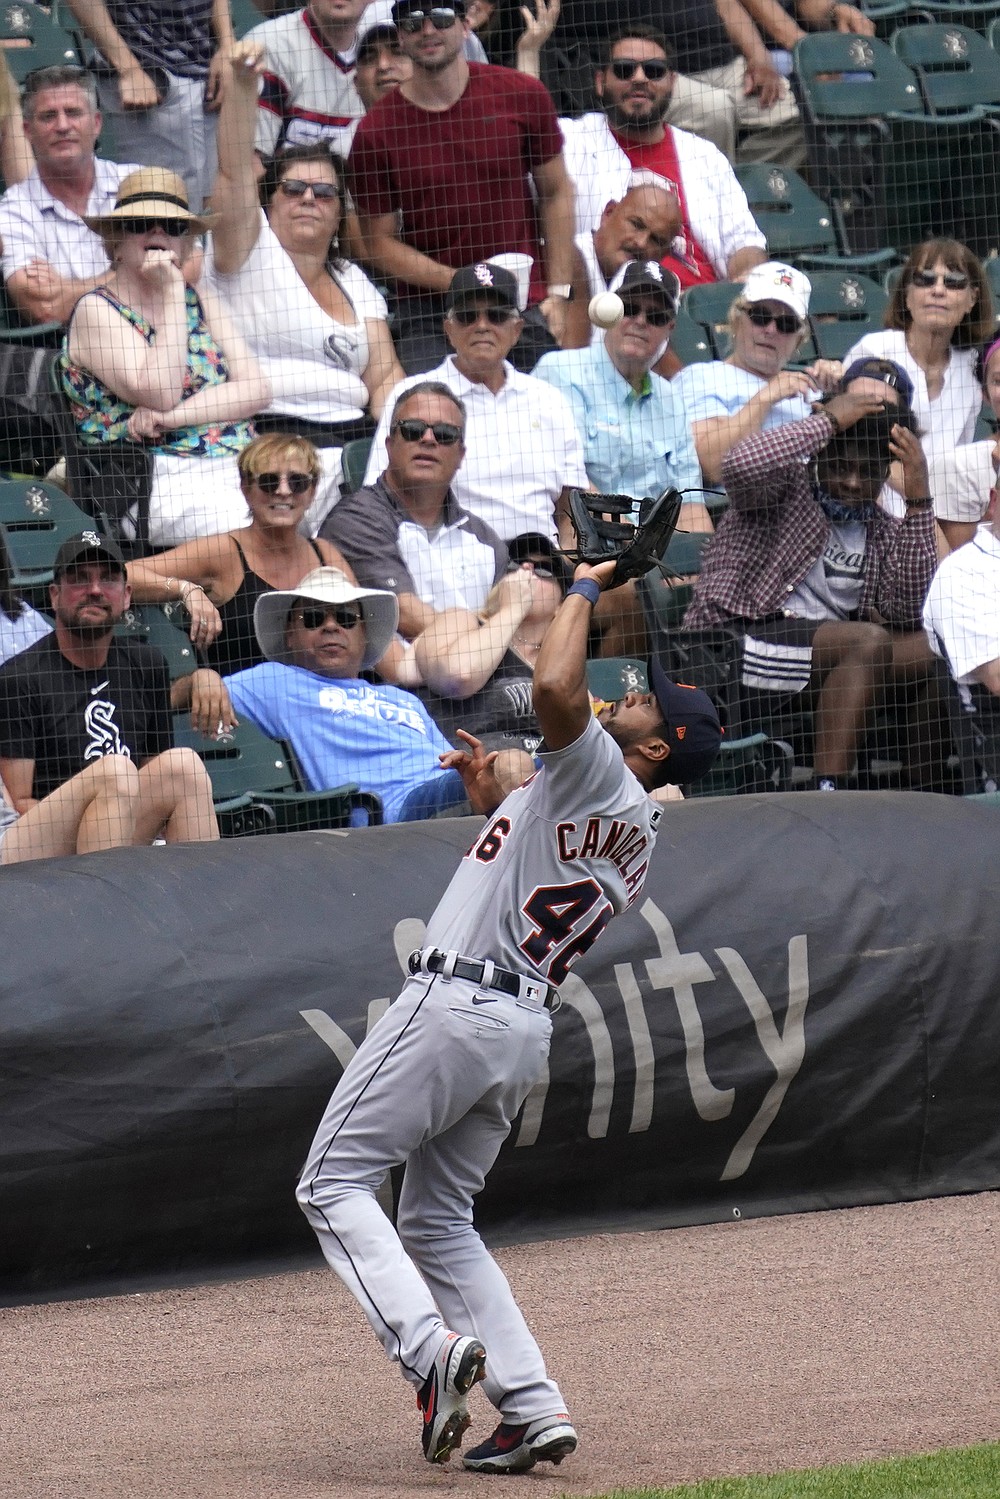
[[372, 290]]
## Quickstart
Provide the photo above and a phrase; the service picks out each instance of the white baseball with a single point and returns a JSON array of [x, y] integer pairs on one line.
[[606, 309]]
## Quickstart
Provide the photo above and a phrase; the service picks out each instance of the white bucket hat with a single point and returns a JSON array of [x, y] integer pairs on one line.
[[326, 585], [775, 282]]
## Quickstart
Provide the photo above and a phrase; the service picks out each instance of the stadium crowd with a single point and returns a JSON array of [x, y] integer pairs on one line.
[[309, 293]]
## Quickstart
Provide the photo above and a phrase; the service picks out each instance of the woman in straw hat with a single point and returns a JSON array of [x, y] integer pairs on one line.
[[312, 318], [148, 358]]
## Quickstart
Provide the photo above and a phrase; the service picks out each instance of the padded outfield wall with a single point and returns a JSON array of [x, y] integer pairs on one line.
[[801, 1011]]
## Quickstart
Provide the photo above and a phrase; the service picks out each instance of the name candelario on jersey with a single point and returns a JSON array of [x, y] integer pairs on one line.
[[608, 838]]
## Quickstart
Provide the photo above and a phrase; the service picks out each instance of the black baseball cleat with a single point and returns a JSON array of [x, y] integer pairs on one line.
[[460, 1363], [515, 1449]]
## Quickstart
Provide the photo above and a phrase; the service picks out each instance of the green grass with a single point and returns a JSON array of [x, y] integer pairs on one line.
[[967, 1473]]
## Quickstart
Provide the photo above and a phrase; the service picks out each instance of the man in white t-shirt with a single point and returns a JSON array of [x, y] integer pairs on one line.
[[522, 446], [641, 225], [50, 257]]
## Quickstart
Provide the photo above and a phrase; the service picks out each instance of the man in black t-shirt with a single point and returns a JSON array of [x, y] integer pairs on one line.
[[85, 727]]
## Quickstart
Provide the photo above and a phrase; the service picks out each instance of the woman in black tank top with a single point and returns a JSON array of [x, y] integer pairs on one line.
[[219, 579]]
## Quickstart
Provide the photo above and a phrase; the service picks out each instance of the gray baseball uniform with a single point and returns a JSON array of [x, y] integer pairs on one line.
[[442, 1075]]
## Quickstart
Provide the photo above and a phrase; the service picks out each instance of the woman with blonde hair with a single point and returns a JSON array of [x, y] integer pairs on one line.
[[219, 578]]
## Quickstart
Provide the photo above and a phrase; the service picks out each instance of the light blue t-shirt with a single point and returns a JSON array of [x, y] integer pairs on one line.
[[344, 730], [637, 444], [716, 388]]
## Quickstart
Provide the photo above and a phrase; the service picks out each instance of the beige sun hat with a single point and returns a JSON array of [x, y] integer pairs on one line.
[[151, 193], [326, 585]]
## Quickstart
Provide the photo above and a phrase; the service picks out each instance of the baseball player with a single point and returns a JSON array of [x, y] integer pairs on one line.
[[441, 1076]]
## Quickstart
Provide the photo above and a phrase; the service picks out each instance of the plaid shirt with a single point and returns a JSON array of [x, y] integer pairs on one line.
[[775, 530]]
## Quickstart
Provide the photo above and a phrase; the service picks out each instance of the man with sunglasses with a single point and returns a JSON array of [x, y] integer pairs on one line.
[[824, 587], [522, 449], [719, 238], [442, 171], [637, 439], [407, 533], [317, 640], [50, 256]]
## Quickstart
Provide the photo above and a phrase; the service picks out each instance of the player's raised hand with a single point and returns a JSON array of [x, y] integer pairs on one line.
[[476, 766], [600, 572]]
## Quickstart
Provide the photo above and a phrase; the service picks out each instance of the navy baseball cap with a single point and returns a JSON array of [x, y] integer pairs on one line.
[[484, 277], [382, 31], [531, 545], [651, 277], [694, 733], [886, 370], [87, 546]]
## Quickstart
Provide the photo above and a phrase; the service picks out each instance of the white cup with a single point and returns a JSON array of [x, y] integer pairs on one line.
[[520, 267]]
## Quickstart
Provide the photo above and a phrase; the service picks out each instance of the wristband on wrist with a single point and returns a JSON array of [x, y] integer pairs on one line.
[[587, 588], [924, 503], [832, 420]]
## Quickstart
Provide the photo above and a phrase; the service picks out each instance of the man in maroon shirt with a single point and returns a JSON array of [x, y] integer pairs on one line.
[[439, 174]]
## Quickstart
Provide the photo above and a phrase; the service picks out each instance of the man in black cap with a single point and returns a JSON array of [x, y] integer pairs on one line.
[[85, 727], [521, 441], [451, 151]]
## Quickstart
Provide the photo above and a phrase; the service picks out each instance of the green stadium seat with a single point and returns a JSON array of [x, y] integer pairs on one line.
[[956, 67], [799, 226], [611, 677], [32, 39], [161, 626], [843, 307], [354, 461], [689, 341], [245, 16], [35, 519]]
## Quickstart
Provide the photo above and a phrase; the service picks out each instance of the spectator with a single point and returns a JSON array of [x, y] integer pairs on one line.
[[407, 534], [962, 611], [309, 94], [85, 732], [641, 225], [962, 480], [16, 160], [160, 79], [636, 435], [326, 631], [940, 311], [220, 578], [751, 390], [478, 666], [20, 625], [522, 446], [312, 319], [147, 357], [824, 587], [461, 186], [382, 64], [50, 255], [720, 239]]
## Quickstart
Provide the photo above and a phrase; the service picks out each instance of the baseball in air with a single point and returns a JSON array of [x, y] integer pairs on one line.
[[606, 309]]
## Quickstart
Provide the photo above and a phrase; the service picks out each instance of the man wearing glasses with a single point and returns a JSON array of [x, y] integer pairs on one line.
[[50, 257], [317, 639], [451, 151], [719, 238], [522, 448], [407, 533], [637, 439]]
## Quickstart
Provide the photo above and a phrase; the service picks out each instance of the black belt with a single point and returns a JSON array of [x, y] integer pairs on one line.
[[471, 969]]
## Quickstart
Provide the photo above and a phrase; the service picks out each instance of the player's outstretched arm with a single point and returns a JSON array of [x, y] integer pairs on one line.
[[559, 691]]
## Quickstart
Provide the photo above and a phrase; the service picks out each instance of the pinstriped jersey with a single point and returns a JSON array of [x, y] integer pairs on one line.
[[562, 854]]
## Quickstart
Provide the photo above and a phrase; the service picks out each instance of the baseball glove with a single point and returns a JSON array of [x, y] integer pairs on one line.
[[602, 534]]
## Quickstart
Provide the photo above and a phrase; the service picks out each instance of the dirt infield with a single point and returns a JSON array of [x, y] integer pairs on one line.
[[755, 1346]]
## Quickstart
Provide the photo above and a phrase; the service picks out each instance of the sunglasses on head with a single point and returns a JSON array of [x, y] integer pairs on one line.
[[625, 68], [953, 280], [294, 187], [656, 317], [465, 317], [175, 228], [784, 322], [271, 483], [412, 429], [441, 18], [315, 616]]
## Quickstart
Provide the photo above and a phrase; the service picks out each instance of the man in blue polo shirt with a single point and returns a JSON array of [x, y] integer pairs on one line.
[[318, 638], [636, 437]]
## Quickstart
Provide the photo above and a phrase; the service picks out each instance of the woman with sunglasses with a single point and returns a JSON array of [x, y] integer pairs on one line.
[[939, 314], [149, 360], [751, 390], [313, 319], [219, 579]]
